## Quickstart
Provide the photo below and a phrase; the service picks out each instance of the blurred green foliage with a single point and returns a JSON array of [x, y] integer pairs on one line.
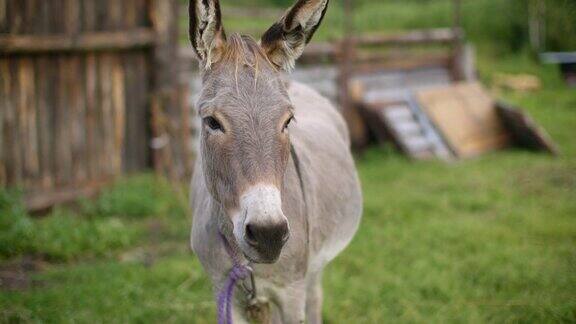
[[136, 197], [502, 24], [16, 228]]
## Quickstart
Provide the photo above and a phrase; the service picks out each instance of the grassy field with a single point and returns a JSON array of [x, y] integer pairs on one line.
[[486, 240]]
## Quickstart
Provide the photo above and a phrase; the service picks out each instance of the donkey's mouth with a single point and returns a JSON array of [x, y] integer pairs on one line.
[[266, 255], [265, 252]]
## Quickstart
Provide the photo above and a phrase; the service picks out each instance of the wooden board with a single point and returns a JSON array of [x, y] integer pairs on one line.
[[466, 116], [404, 124], [524, 130]]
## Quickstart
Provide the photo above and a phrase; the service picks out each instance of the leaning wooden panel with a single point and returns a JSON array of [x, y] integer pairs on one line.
[[524, 129], [465, 115]]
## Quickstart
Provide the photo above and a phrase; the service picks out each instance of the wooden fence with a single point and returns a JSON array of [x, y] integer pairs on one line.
[[85, 87]]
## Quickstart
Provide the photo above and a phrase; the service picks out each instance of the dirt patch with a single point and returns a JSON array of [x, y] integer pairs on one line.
[[17, 275], [540, 179]]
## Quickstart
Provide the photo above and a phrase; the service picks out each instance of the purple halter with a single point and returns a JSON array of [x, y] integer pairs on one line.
[[238, 273]]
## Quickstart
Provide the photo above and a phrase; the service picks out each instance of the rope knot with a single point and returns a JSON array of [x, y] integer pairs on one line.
[[239, 272]]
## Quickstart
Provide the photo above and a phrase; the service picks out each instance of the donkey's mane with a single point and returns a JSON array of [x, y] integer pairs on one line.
[[243, 49]]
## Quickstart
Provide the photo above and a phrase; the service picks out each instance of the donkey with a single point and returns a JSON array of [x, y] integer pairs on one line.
[[275, 190]]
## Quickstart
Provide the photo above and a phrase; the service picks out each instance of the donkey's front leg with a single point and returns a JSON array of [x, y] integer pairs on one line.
[[292, 304], [314, 299], [239, 313]]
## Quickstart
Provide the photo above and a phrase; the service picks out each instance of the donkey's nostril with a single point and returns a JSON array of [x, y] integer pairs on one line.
[[250, 236]]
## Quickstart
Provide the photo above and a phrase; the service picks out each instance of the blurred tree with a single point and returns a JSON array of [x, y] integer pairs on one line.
[[503, 23], [560, 22]]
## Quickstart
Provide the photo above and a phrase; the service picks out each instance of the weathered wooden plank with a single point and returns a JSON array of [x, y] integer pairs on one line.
[[136, 129], [144, 10], [409, 63], [106, 107], [71, 17], [92, 149], [44, 109], [12, 154], [27, 25], [128, 14], [419, 37], [15, 19], [96, 41], [141, 115], [42, 19], [4, 93], [27, 120], [53, 83], [465, 114], [3, 16], [55, 14], [114, 17], [14, 164], [162, 13], [119, 113], [89, 16], [62, 127], [76, 113]]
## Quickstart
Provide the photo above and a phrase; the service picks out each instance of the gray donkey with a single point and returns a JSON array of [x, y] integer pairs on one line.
[[275, 192]]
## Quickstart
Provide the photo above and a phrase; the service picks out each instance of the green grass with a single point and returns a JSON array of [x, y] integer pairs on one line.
[[486, 240], [125, 215]]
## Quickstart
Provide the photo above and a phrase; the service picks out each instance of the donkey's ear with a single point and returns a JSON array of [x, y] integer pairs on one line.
[[206, 31], [284, 42]]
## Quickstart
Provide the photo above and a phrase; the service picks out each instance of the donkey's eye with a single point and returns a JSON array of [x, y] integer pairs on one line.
[[287, 123], [213, 124]]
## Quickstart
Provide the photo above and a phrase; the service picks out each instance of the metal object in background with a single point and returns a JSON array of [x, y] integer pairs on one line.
[[567, 63]]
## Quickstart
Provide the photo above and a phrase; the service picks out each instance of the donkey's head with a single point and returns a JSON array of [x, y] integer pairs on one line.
[[246, 111]]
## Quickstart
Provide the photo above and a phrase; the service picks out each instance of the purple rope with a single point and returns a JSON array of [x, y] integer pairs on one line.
[[237, 273]]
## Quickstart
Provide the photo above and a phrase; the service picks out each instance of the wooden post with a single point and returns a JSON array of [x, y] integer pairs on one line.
[[170, 112], [457, 14], [164, 15], [536, 24], [346, 53], [345, 59], [458, 50]]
